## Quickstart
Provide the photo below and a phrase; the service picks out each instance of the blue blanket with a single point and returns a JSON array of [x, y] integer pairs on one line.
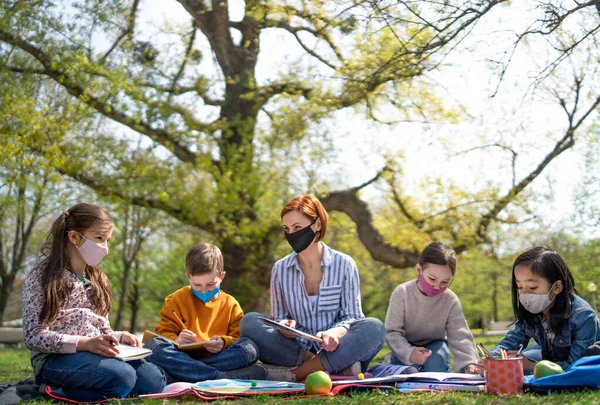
[[584, 373]]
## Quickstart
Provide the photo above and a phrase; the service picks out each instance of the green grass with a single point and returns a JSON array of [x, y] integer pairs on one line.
[[15, 366]]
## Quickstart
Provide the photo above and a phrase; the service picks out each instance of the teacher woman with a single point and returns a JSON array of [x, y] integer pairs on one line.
[[316, 290]]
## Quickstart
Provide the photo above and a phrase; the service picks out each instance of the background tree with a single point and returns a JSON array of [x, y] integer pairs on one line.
[[218, 141]]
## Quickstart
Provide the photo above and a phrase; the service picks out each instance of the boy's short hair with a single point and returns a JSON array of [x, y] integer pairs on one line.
[[204, 258]]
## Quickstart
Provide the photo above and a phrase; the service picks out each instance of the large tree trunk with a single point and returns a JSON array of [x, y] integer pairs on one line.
[[5, 290]]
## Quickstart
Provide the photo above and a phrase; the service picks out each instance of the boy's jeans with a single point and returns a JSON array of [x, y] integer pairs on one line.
[[439, 360], [179, 366], [88, 377], [362, 342]]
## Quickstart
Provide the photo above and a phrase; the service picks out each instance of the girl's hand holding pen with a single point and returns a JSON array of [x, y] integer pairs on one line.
[[104, 345]]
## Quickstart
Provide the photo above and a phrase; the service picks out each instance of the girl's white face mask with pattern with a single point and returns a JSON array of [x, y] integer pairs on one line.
[[536, 303]]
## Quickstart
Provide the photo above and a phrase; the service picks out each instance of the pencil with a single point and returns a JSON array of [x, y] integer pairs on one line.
[[481, 351], [179, 319]]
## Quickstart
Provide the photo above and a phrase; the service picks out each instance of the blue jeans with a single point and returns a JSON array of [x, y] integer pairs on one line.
[[533, 352], [88, 377], [439, 360], [362, 342], [179, 366]]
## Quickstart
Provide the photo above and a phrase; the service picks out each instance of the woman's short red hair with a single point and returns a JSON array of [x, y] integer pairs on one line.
[[309, 206]]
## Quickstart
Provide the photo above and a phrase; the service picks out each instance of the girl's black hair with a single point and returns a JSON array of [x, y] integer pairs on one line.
[[547, 264]]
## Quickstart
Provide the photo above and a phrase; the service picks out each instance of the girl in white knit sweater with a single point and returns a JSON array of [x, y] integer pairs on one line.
[[424, 319]]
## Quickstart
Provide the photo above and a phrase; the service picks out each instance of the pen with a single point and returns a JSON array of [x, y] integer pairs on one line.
[[105, 332]]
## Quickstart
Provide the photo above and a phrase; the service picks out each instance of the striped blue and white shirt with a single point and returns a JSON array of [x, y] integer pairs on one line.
[[338, 302]]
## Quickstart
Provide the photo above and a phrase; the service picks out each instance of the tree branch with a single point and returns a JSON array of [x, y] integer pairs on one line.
[[64, 79], [188, 50], [128, 31], [347, 201]]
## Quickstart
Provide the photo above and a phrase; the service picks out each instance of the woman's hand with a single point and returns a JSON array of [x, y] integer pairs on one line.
[[331, 338], [130, 339], [288, 322], [215, 344], [104, 345], [419, 355], [185, 336]]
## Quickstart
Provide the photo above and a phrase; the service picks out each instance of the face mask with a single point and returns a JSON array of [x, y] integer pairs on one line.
[[536, 303], [428, 289], [91, 252], [301, 239], [207, 296]]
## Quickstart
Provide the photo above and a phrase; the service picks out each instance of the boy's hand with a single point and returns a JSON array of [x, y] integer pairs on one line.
[[215, 344], [130, 339], [186, 336], [419, 355], [288, 322]]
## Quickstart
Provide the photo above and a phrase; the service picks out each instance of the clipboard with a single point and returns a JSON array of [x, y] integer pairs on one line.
[[287, 329]]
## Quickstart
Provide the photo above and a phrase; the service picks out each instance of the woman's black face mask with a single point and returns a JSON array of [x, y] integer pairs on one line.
[[301, 239]]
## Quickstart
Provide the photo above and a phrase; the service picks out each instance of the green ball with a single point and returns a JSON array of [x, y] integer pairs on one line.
[[254, 383]]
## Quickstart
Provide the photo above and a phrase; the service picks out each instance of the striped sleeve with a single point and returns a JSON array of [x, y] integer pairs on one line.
[[278, 309], [350, 305]]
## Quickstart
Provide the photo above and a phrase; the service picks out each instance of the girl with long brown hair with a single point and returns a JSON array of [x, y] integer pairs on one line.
[[66, 301]]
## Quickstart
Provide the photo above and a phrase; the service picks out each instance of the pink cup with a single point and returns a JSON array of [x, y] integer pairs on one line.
[[503, 376]]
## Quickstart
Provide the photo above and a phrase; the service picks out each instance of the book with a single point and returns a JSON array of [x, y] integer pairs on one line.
[[130, 353], [291, 331], [436, 386], [425, 377], [186, 347]]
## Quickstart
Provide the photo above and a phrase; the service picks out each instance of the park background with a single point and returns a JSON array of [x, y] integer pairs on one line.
[[470, 122]]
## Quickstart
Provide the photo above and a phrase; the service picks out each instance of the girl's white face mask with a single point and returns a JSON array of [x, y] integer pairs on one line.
[[536, 303], [91, 252]]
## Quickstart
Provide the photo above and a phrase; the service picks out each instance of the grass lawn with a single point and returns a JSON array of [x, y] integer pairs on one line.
[[15, 366]]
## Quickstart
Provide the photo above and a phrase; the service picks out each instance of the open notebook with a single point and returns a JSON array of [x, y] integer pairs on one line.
[[187, 347], [129, 353], [425, 377]]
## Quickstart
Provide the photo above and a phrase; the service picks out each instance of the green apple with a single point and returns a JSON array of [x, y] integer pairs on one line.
[[318, 382], [545, 368]]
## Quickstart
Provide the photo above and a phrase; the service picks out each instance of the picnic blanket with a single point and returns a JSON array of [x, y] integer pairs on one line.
[[583, 373], [15, 393]]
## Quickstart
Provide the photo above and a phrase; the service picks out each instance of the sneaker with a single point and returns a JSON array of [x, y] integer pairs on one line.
[[352, 370], [253, 372], [279, 373]]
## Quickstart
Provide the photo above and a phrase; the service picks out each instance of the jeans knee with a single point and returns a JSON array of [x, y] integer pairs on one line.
[[249, 323], [250, 348], [374, 331], [150, 379], [120, 382]]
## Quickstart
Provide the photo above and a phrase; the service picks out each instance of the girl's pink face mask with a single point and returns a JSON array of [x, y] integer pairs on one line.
[[91, 252], [428, 289]]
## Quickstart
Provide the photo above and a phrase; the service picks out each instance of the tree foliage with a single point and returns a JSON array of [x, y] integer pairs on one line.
[[185, 124]]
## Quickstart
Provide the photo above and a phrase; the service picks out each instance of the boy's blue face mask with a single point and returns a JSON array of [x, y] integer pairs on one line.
[[207, 296]]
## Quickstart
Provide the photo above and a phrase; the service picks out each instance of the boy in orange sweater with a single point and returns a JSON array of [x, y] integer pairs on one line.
[[202, 312]]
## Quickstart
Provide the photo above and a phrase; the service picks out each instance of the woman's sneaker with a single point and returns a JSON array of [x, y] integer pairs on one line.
[[279, 373], [352, 370]]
